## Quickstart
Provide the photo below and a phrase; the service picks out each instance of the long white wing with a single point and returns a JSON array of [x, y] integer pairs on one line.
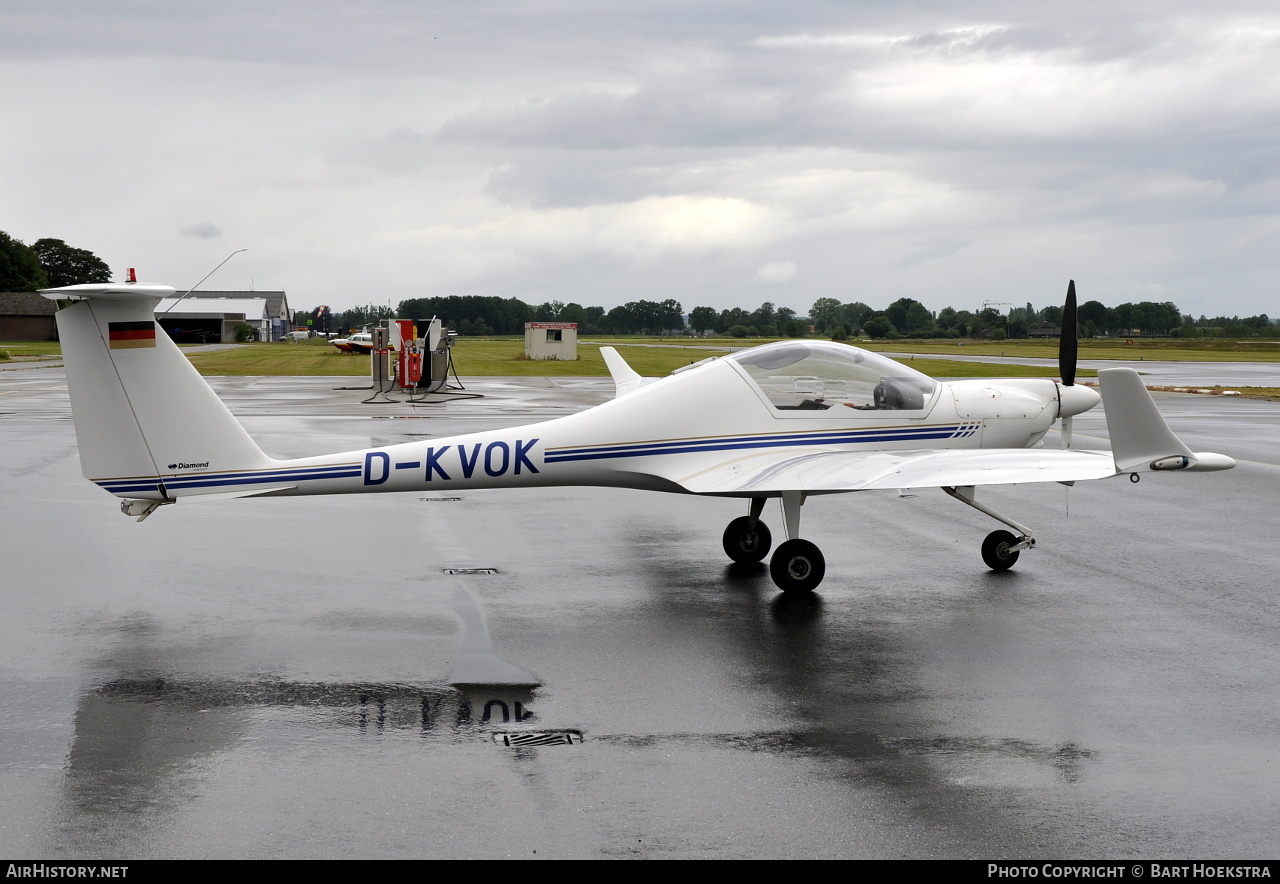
[[1140, 438], [835, 471]]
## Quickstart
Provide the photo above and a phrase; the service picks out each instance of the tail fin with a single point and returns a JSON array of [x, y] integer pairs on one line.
[[142, 413], [625, 378]]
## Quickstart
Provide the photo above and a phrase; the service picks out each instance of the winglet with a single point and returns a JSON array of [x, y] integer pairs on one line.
[[625, 378], [1140, 439]]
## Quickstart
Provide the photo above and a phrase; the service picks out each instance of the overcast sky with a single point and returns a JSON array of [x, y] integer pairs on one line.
[[719, 153]]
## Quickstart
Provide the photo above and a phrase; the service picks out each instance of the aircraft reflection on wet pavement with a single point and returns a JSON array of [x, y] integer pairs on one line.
[[159, 706], [431, 709]]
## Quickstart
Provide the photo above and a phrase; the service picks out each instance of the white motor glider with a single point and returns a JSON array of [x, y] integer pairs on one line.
[[786, 420]]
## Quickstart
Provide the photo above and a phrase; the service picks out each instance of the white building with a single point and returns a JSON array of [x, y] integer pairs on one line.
[[551, 340]]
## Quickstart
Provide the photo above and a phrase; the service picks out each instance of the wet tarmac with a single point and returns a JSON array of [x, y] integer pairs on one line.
[[579, 673]]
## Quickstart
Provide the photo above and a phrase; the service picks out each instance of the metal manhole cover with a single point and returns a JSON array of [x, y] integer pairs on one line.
[[538, 738], [471, 570], [438, 499]]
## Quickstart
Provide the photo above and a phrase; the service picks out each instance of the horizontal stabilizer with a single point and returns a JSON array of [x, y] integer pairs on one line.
[[110, 291]]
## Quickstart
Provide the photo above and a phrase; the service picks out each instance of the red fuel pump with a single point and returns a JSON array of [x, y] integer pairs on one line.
[[408, 354]]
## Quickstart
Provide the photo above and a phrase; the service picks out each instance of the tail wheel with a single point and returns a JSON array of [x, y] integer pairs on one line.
[[743, 545], [996, 552], [797, 566]]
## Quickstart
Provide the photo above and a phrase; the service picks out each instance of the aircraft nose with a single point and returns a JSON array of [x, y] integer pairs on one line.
[[1076, 399]]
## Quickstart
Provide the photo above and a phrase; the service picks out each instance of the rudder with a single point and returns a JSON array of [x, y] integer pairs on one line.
[[142, 412]]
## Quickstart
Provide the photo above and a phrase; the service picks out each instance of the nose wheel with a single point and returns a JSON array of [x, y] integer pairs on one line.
[[997, 552], [1000, 549]]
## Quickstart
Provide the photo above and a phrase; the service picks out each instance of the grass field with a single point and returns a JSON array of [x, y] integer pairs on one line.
[[476, 357], [504, 356], [26, 349]]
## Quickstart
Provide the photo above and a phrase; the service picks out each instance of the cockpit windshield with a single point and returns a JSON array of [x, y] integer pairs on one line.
[[817, 375]]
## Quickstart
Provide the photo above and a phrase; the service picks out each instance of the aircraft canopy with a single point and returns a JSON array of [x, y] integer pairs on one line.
[[816, 375]]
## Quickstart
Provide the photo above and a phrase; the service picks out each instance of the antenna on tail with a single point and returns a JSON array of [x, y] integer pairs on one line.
[[197, 285]]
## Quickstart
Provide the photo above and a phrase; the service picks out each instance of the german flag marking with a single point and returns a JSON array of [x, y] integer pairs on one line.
[[130, 335]]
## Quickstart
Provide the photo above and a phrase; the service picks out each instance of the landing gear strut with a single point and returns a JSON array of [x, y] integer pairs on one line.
[[797, 565], [1000, 549]]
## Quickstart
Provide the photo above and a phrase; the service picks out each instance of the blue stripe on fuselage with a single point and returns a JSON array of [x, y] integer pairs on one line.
[[215, 480], [778, 440]]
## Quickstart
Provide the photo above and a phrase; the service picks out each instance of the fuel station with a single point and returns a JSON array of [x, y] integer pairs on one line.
[[414, 355]]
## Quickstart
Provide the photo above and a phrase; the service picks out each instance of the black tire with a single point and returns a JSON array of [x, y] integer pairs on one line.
[[797, 566], [744, 547], [996, 552]]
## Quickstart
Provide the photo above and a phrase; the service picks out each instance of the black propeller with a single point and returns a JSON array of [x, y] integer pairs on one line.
[[1067, 345]]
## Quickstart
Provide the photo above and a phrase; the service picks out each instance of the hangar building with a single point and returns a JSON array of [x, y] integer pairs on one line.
[[27, 316], [200, 317], [212, 317]]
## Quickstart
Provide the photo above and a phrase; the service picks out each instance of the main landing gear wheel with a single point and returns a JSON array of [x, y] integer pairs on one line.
[[797, 566], [744, 546], [996, 552]]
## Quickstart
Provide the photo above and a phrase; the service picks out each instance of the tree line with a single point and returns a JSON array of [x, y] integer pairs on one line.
[[907, 317], [46, 263], [490, 315], [904, 318]]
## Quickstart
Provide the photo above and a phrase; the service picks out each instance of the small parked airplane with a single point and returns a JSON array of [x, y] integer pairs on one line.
[[360, 342], [788, 420]]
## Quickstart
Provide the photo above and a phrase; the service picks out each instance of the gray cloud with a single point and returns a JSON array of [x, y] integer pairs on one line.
[[942, 246], [777, 272], [201, 230], [600, 152]]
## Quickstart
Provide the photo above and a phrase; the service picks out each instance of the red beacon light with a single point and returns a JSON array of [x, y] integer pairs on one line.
[[133, 277]]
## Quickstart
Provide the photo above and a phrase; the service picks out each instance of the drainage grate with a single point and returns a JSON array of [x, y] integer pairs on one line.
[[539, 738], [436, 499], [471, 570]]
